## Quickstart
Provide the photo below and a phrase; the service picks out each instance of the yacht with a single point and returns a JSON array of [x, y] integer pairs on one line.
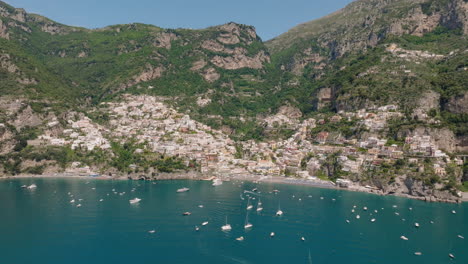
[[249, 206], [416, 224], [247, 224], [186, 213], [404, 238], [135, 200], [279, 212], [152, 231], [204, 223], [226, 227], [185, 189], [272, 234], [32, 186], [241, 238]]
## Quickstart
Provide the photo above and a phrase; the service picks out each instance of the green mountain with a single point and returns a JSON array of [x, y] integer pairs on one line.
[[404, 54]]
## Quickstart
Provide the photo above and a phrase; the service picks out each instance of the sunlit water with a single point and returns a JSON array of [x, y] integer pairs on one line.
[[42, 226]]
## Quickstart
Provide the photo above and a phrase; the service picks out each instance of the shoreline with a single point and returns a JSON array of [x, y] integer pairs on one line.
[[262, 179]]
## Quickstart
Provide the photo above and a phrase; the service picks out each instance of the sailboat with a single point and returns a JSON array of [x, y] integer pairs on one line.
[[279, 212], [247, 224], [226, 227], [249, 206]]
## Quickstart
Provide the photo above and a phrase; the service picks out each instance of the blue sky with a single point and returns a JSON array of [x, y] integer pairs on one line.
[[270, 17]]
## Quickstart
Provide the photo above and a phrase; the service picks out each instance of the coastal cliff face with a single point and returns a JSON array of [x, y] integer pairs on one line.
[[374, 93]]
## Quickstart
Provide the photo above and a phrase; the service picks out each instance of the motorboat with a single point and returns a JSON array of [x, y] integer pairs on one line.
[[32, 186], [404, 238], [186, 213], [135, 200], [204, 223], [226, 227], [241, 238], [272, 234], [181, 190]]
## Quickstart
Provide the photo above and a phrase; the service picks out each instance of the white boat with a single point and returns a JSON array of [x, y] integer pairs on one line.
[[279, 212], [241, 238], [347, 221], [78, 205], [197, 228], [249, 206], [72, 201], [365, 208], [453, 211], [418, 253], [416, 224], [404, 238], [372, 220], [247, 224], [451, 255], [32, 186], [135, 200], [358, 216], [101, 200], [185, 189], [217, 182], [259, 204], [152, 231], [259, 209], [226, 227], [204, 223], [460, 236], [272, 234], [24, 186], [302, 238]]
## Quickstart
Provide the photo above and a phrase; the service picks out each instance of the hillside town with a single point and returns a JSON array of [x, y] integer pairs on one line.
[[161, 129]]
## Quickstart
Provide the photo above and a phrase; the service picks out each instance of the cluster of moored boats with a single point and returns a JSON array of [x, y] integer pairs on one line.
[[247, 225]]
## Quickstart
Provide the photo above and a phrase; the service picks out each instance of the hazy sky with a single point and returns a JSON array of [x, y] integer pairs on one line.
[[270, 17]]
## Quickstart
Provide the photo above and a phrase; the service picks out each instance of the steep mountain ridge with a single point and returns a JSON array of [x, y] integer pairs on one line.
[[376, 84]]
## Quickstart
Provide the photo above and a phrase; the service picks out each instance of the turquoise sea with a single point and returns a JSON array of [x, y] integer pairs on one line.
[[42, 226]]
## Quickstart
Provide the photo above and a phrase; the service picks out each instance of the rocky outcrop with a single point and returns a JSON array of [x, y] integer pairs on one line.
[[7, 64], [406, 186], [164, 40], [199, 64], [27, 117], [239, 61], [149, 74], [324, 97], [290, 111], [428, 100], [210, 75], [3, 31], [458, 104]]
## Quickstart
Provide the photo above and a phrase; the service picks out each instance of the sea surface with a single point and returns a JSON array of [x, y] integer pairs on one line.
[[43, 226]]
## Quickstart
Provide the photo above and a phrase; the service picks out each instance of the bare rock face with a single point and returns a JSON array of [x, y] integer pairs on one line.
[[53, 29], [5, 63], [211, 75], [290, 111], [239, 61], [198, 65], [27, 118], [213, 46], [443, 138], [164, 40], [324, 96], [149, 74], [429, 100], [228, 39], [458, 104], [306, 57], [416, 24], [3, 31]]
